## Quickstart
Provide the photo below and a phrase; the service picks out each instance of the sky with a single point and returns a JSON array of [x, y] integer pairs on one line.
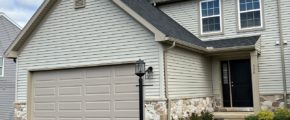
[[19, 11]]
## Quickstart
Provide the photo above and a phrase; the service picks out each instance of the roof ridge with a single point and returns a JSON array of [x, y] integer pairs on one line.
[[10, 20]]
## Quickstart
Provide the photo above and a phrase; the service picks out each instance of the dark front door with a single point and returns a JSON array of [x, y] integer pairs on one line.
[[237, 83]]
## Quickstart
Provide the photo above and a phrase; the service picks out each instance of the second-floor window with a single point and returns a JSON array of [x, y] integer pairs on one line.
[[210, 12], [250, 14]]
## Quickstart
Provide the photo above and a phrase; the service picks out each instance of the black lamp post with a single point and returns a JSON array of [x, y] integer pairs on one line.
[[140, 71]]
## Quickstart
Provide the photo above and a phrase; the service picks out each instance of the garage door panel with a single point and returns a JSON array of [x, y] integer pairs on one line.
[[45, 118], [73, 91], [126, 88], [98, 72], [98, 97], [125, 70], [127, 114], [70, 118], [70, 74], [126, 105], [127, 119], [44, 114], [98, 105], [66, 83], [69, 98], [41, 76], [50, 107], [43, 99], [69, 106], [45, 84], [98, 119], [100, 93], [102, 89], [98, 114], [126, 80], [98, 81], [127, 96], [45, 92]]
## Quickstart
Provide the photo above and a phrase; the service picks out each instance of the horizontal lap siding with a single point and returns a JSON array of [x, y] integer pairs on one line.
[[187, 14], [99, 33], [189, 74], [8, 31], [285, 14]]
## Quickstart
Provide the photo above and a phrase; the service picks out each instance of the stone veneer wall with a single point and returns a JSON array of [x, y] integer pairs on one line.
[[155, 110], [20, 111], [272, 102], [185, 107]]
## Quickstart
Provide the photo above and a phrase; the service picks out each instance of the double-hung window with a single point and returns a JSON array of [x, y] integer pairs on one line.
[[210, 12], [249, 14]]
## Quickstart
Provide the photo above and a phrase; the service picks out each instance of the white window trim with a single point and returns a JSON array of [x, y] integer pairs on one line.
[[2, 75], [201, 18], [261, 17]]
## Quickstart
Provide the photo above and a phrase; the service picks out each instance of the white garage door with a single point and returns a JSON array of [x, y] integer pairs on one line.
[[100, 93]]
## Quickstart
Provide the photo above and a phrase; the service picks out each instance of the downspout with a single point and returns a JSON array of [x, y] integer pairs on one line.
[[282, 53], [168, 100]]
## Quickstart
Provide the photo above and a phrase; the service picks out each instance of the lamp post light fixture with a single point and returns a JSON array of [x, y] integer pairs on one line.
[[140, 71]]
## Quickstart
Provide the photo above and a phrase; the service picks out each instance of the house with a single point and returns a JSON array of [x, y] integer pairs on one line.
[[8, 32], [75, 58]]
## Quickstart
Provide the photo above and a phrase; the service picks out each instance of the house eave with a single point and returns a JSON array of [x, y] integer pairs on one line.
[[208, 51]]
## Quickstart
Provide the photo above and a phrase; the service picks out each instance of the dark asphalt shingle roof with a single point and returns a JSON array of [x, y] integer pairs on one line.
[[161, 21], [242, 41], [171, 28]]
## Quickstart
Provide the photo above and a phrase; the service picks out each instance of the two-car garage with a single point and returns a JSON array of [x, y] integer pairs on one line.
[[97, 93]]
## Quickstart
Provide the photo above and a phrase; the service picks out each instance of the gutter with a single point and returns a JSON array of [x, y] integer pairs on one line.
[[168, 100], [282, 53]]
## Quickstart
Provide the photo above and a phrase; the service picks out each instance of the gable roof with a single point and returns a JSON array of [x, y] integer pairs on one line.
[[8, 31], [163, 27], [9, 19], [172, 29], [162, 21]]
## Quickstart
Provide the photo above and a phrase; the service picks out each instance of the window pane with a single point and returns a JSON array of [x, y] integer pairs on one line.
[[216, 4], [257, 18], [1, 62], [205, 28], [243, 16], [216, 11], [210, 12], [204, 13], [244, 24], [211, 24], [249, 6], [211, 27], [249, 1], [204, 5], [217, 27], [210, 4], [205, 21], [211, 21], [256, 5], [242, 7], [242, 1]]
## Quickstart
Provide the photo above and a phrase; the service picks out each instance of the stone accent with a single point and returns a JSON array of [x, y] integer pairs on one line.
[[20, 111], [155, 110], [185, 107], [271, 102]]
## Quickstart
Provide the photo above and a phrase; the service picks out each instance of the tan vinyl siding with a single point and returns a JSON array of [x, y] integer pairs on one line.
[[189, 74], [285, 14], [187, 14], [99, 33]]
